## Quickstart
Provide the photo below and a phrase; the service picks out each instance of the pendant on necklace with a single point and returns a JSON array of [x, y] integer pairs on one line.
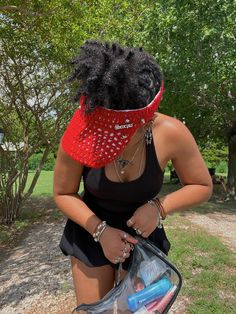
[[122, 163]]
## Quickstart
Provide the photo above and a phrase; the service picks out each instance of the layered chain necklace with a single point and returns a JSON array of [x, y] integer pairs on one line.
[[126, 163], [120, 164]]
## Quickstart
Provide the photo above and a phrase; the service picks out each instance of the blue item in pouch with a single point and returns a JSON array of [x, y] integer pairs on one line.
[[149, 294]]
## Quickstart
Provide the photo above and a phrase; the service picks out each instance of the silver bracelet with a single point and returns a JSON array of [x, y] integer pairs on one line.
[[160, 220], [99, 230]]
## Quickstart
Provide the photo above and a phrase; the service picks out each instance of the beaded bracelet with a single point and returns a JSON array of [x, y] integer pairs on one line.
[[160, 210], [160, 206], [159, 222], [99, 230]]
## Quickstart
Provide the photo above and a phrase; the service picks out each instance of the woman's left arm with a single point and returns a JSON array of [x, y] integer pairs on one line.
[[190, 168], [181, 148]]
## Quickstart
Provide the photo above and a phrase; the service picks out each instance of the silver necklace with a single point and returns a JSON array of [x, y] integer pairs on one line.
[[124, 163], [117, 172], [140, 165]]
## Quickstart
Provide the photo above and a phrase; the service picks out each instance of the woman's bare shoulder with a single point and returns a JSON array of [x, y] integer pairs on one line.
[[169, 125], [170, 130]]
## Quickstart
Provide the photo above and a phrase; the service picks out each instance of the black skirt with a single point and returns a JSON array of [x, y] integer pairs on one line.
[[77, 242]]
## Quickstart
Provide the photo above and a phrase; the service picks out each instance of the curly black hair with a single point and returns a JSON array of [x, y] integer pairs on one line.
[[115, 77]]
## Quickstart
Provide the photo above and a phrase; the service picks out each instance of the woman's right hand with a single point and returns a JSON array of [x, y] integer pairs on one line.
[[116, 244]]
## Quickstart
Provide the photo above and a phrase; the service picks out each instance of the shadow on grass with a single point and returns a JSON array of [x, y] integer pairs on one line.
[[35, 211], [215, 204], [40, 207]]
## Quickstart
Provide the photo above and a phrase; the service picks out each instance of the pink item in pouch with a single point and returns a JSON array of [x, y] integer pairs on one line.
[[162, 304]]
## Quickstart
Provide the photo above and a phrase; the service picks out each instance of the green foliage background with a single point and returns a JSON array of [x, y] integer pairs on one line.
[[35, 159], [193, 41]]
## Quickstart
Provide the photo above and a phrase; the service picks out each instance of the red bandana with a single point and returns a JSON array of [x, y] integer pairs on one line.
[[97, 138]]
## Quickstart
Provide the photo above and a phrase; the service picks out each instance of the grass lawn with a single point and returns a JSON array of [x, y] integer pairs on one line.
[[208, 268], [44, 185]]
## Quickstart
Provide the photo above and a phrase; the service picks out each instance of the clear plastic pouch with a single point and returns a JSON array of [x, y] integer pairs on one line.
[[150, 286]]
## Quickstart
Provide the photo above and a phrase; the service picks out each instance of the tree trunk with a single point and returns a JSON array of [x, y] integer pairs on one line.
[[12, 185], [231, 184]]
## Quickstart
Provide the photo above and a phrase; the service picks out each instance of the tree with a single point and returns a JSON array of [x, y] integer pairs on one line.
[[38, 38], [33, 103], [195, 44], [34, 106]]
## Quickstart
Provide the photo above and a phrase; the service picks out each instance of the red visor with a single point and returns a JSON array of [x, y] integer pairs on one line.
[[97, 138]]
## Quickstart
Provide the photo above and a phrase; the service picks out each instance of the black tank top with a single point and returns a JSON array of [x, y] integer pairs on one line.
[[115, 203], [110, 198]]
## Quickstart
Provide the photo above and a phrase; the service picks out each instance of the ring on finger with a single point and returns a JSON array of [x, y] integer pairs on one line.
[[139, 232], [131, 247], [126, 249], [130, 221], [125, 235]]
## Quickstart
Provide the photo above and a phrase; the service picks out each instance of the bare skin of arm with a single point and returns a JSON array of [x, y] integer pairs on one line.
[[191, 169], [67, 177], [174, 142]]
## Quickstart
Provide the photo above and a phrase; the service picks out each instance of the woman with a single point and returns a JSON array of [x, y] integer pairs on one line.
[[120, 147]]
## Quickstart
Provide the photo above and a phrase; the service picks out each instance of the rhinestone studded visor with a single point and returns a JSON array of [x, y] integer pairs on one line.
[[97, 138]]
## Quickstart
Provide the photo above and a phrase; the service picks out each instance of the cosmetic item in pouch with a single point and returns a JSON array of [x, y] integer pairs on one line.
[[148, 294], [151, 270], [152, 305], [138, 284], [162, 304], [148, 307]]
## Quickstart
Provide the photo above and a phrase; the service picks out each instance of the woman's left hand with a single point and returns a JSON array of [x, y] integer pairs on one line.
[[144, 220]]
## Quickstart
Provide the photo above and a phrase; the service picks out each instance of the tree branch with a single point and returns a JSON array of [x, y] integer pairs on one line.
[[16, 9]]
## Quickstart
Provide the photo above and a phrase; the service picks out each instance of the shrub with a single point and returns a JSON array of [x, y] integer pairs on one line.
[[34, 161], [215, 157], [222, 167]]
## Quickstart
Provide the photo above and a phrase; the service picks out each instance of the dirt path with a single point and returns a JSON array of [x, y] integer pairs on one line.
[[222, 225], [35, 278], [34, 274]]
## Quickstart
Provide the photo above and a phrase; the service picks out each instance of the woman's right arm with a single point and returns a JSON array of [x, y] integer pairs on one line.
[[67, 178]]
